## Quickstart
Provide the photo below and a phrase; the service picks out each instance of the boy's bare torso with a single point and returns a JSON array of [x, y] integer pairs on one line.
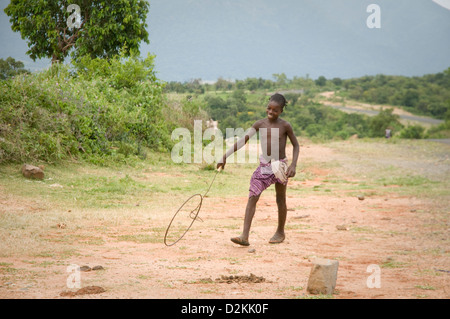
[[279, 128]]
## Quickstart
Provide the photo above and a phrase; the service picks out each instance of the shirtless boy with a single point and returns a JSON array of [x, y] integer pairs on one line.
[[273, 167]]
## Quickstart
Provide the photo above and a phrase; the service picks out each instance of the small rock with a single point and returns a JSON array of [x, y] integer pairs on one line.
[[98, 267], [361, 197], [32, 172], [323, 276], [61, 225], [301, 216], [341, 227], [85, 268], [252, 250]]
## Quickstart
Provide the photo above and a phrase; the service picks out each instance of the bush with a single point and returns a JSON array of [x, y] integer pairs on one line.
[[383, 120], [99, 108], [413, 132], [10, 67]]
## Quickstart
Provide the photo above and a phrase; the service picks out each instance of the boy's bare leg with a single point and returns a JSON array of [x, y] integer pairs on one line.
[[282, 213], [249, 214]]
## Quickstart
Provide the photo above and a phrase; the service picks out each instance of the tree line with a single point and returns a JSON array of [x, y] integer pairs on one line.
[[239, 103], [427, 95]]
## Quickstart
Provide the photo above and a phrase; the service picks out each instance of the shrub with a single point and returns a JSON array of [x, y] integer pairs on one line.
[[383, 120], [100, 107], [413, 132]]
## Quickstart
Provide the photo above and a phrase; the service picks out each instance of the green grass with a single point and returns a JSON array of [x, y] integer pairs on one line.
[[390, 263], [86, 186], [95, 200], [425, 287], [406, 167]]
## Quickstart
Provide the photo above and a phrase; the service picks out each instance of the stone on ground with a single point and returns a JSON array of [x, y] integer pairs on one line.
[[323, 276]]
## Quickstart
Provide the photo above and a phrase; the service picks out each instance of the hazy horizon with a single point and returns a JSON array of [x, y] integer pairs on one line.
[[203, 39]]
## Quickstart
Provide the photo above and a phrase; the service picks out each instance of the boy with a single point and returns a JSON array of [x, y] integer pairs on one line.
[[273, 167]]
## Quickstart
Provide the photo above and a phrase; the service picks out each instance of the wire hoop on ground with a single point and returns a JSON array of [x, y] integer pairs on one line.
[[193, 214]]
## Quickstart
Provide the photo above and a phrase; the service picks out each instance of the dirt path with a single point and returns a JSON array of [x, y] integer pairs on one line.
[[371, 110], [406, 237]]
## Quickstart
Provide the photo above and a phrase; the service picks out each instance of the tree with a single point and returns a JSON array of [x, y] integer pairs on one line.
[[383, 120], [223, 84], [321, 81], [10, 67], [281, 79], [337, 81], [105, 28]]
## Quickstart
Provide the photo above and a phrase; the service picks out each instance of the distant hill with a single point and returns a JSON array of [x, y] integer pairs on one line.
[[239, 39]]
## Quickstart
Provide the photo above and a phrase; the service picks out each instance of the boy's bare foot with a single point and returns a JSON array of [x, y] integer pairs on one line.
[[240, 241], [277, 238]]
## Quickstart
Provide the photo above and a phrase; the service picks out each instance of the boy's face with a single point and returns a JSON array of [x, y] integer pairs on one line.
[[273, 110]]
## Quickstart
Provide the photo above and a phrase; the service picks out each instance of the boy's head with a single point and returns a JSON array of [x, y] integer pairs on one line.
[[275, 107], [279, 99]]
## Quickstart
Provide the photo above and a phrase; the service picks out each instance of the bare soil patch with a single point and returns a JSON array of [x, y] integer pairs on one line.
[[394, 227]]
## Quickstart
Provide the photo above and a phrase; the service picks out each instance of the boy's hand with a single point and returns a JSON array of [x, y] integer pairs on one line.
[[291, 171], [221, 165]]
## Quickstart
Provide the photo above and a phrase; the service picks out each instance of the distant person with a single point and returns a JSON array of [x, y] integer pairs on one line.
[[273, 168], [388, 133]]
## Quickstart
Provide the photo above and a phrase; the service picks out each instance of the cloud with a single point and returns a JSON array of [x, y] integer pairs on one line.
[[443, 3]]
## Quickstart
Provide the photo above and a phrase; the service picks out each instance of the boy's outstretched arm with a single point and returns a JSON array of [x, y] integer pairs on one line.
[[240, 143], [292, 168]]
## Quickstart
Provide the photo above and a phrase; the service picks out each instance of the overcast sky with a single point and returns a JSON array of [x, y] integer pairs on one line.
[[235, 39]]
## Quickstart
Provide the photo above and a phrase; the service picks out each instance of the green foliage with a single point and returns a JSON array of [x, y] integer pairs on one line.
[[321, 81], [106, 27], [318, 121], [292, 98], [102, 108], [440, 131], [118, 71], [238, 104], [427, 95], [230, 112], [239, 110], [413, 132], [10, 67], [250, 84], [383, 120]]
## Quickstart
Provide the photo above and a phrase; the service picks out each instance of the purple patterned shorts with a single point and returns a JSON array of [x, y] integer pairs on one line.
[[262, 178]]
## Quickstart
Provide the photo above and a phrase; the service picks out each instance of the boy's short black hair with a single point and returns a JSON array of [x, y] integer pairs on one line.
[[278, 98]]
